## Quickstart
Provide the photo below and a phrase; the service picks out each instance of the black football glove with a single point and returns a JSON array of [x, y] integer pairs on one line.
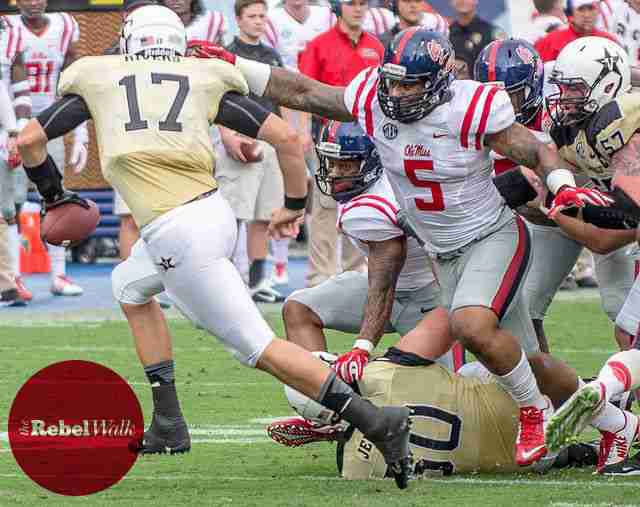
[[66, 197]]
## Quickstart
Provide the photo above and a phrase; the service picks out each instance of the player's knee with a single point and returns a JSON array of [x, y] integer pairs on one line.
[[474, 329], [125, 288], [296, 314]]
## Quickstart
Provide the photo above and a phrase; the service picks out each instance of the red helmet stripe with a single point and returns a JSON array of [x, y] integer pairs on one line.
[[493, 56], [333, 130], [403, 42]]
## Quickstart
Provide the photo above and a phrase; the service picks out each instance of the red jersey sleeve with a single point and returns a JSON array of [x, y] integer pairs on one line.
[[309, 62]]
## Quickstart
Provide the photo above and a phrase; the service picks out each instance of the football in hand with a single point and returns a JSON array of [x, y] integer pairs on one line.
[[69, 223], [252, 152]]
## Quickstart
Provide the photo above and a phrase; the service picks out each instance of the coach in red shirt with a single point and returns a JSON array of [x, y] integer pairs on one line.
[[335, 57], [582, 24]]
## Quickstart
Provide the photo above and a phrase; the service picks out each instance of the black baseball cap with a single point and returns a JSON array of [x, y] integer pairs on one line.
[[129, 5]]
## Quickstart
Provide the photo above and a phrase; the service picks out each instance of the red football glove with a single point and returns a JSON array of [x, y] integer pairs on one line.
[[350, 366], [204, 49], [570, 197], [15, 160]]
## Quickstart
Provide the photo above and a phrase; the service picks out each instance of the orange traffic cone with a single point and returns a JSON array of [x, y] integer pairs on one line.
[[34, 257]]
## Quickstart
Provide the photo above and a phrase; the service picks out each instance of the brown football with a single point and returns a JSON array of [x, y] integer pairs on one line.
[[69, 223]]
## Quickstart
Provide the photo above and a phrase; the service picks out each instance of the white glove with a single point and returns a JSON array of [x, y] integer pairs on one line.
[[80, 149], [78, 157]]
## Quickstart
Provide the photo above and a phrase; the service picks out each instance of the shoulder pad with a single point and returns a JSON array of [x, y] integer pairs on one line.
[[601, 120]]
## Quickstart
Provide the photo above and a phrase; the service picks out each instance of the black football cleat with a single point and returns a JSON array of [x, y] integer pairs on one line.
[[166, 435], [395, 444], [627, 468]]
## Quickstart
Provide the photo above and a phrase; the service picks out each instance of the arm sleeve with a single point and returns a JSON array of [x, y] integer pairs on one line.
[[63, 116], [242, 114], [7, 115]]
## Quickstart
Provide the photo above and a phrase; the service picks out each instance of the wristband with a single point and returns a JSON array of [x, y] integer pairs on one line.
[[559, 178], [47, 179], [295, 203], [256, 74], [364, 345]]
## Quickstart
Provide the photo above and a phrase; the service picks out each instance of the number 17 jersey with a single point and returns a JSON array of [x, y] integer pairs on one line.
[[152, 118], [439, 167]]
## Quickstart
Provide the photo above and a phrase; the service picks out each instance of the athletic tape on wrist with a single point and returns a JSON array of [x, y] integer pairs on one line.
[[558, 178], [364, 345]]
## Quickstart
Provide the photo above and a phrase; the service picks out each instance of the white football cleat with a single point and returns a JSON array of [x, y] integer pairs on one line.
[[64, 286], [575, 415], [615, 447]]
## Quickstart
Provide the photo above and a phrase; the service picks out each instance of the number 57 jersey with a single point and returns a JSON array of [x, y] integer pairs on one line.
[[152, 118], [439, 168]]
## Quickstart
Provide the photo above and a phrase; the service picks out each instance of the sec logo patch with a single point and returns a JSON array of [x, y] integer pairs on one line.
[[390, 131]]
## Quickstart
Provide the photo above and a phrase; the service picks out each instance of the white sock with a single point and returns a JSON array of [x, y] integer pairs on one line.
[[58, 260], [611, 419], [240, 257], [14, 249], [521, 385], [280, 250]]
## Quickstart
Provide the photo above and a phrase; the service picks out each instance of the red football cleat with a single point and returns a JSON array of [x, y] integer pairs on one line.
[[530, 444], [298, 431]]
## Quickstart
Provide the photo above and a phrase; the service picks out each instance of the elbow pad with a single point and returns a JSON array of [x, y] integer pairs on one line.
[[608, 218], [514, 188]]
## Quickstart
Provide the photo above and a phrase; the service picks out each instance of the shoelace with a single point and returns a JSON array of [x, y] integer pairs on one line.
[[609, 444], [531, 425]]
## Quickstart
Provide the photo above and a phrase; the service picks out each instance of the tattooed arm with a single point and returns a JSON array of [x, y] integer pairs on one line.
[[518, 144], [296, 91], [625, 165], [385, 262]]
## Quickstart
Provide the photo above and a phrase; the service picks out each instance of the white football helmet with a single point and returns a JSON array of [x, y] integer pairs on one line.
[[589, 72], [308, 408], [152, 27]]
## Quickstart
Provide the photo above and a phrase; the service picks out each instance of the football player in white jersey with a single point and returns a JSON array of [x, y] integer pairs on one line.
[[399, 288], [12, 178], [50, 45], [625, 23], [434, 137], [155, 148]]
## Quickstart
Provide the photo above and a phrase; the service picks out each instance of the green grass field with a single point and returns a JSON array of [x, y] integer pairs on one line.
[[233, 463]]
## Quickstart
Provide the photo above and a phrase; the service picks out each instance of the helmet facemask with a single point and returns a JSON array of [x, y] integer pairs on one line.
[[572, 103], [343, 188], [412, 107], [526, 101]]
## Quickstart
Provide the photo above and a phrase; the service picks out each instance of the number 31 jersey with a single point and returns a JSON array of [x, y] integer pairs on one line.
[[152, 120], [439, 168], [44, 56]]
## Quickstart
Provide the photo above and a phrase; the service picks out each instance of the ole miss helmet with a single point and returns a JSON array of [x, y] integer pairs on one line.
[[346, 141], [515, 64], [416, 55]]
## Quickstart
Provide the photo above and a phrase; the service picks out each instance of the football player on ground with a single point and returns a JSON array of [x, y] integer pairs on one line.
[[595, 119], [12, 179], [51, 44], [462, 422], [152, 109], [620, 374], [434, 137], [517, 64]]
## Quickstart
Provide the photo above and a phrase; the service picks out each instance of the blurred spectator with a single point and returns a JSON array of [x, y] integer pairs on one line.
[[625, 24], [411, 13], [254, 190], [335, 58], [607, 9], [549, 17], [582, 24], [469, 34]]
